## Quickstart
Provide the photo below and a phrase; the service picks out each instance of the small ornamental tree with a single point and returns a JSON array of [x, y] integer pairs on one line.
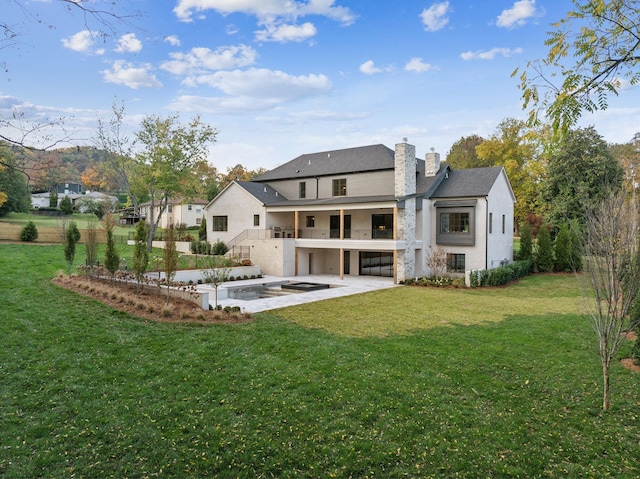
[[66, 206], [202, 231], [91, 245], [437, 261], [111, 257], [29, 232], [526, 244], [140, 253], [215, 274], [170, 257], [544, 256], [72, 236], [53, 199]]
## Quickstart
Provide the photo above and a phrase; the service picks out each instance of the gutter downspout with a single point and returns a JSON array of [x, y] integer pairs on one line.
[[486, 235]]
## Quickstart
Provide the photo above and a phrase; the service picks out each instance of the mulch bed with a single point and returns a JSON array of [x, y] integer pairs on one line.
[[150, 303]]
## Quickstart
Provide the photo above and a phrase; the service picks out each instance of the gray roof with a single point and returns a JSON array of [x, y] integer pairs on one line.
[[464, 183], [262, 192], [335, 162]]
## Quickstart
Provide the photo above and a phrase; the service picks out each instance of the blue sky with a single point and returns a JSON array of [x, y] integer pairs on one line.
[[280, 78]]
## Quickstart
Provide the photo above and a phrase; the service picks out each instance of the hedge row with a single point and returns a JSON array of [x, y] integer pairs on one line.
[[502, 275]]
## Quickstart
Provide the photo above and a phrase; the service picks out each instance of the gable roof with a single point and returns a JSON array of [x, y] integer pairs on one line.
[[335, 162], [470, 182], [262, 192]]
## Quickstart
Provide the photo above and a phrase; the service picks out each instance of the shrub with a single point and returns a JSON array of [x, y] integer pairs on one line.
[[66, 206], [500, 276], [29, 232], [526, 245], [219, 248], [563, 249], [635, 351]]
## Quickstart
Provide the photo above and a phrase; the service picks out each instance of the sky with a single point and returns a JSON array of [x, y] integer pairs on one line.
[[282, 78]]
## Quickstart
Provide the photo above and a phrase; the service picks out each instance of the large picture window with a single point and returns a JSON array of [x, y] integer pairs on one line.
[[340, 187], [455, 223], [220, 223]]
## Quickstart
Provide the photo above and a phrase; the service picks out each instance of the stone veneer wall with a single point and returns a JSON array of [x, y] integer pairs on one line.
[[405, 185]]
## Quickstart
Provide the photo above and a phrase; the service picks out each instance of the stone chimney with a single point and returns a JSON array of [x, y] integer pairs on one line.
[[431, 163], [405, 169]]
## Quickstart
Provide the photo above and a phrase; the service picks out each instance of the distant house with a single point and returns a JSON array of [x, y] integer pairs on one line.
[[178, 211], [69, 188], [78, 200], [368, 211]]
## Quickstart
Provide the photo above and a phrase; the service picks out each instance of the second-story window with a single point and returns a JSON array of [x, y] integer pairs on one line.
[[256, 220], [340, 187], [303, 189]]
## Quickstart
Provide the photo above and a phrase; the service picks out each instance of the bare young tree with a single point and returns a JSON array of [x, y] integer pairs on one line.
[[437, 261], [611, 278]]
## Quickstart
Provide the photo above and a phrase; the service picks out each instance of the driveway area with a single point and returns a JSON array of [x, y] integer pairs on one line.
[[347, 286]]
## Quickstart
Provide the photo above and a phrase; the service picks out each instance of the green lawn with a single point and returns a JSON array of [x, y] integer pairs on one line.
[[52, 221], [486, 383]]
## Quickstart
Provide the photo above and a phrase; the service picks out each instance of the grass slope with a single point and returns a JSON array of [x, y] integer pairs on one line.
[[87, 391]]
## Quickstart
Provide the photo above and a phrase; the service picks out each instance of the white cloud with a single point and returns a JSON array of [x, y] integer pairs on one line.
[[129, 44], [417, 65], [125, 73], [201, 59], [172, 40], [435, 17], [490, 54], [80, 42], [286, 33], [369, 68], [264, 85], [518, 15], [266, 10]]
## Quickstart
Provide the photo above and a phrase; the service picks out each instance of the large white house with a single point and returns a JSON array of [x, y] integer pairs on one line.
[[367, 211]]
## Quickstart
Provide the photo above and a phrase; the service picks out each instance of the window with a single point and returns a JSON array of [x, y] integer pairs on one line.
[[189, 208], [504, 223], [198, 210], [198, 221], [169, 209], [340, 187], [219, 223], [455, 263], [454, 222], [311, 221], [302, 189], [382, 226], [256, 220], [490, 223], [374, 263]]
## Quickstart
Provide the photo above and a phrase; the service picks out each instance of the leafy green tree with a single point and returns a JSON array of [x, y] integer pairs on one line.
[[72, 236], [526, 243], [463, 153], [66, 206], [13, 183], [578, 174], [593, 52], [29, 232], [521, 151], [170, 152], [140, 253], [170, 257], [544, 256], [111, 257], [563, 250]]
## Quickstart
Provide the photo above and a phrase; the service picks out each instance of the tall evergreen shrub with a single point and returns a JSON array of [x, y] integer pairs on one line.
[[544, 256]]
